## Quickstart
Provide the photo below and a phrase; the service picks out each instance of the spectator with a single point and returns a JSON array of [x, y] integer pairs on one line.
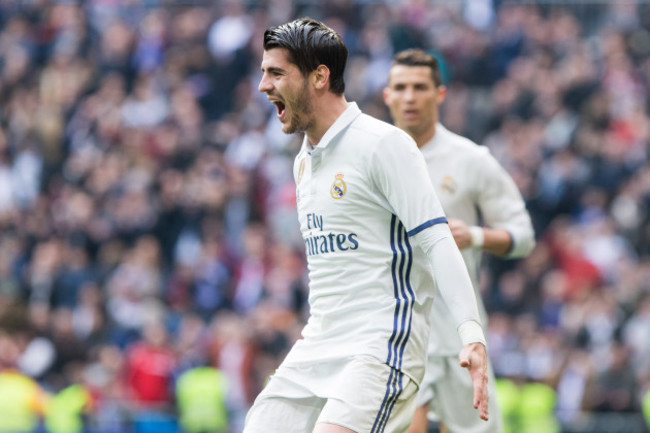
[[148, 368]]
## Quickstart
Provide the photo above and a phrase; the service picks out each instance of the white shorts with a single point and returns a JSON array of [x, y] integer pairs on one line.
[[448, 390], [362, 394]]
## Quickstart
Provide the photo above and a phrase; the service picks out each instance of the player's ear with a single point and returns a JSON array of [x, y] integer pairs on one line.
[[320, 77], [442, 93], [386, 94]]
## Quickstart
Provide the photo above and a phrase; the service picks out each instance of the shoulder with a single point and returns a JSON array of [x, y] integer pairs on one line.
[[463, 145], [475, 158], [377, 132]]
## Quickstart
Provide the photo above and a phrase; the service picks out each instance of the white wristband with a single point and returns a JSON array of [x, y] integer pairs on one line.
[[471, 332], [478, 237]]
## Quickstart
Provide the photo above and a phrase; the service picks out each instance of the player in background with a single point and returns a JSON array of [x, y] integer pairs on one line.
[[373, 230], [486, 213]]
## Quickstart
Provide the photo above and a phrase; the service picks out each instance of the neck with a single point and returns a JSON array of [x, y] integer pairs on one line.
[[425, 136], [329, 107]]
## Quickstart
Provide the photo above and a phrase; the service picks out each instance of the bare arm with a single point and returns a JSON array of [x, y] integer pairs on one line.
[[494, 240]]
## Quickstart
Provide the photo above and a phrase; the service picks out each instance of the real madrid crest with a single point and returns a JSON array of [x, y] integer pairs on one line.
[[338, 188], [448, 184]]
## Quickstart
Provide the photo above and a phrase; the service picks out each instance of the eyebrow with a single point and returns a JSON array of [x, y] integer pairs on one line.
[[274, 69], [414, 84]]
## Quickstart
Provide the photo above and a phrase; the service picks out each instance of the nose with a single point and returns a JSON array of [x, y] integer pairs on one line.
[[265, 84], [409, 94]]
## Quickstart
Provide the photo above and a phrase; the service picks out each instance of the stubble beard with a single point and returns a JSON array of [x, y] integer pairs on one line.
[[415, 128], [301, 112]]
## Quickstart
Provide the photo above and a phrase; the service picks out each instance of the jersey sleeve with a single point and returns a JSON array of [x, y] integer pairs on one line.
[[502, 206], [453, 281], [399, 171], [401, 175]]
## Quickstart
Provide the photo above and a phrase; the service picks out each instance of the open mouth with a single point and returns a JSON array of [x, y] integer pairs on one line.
[[281, 108]]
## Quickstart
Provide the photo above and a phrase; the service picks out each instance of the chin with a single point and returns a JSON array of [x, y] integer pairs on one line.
[[286, 127], [413, 127], [289, 129]]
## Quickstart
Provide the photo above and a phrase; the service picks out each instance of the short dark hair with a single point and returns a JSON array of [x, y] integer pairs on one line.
[[311, 43], [419, 57]]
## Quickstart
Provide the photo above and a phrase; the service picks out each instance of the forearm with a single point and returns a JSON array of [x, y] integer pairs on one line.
[[502, 242], [495, 241]]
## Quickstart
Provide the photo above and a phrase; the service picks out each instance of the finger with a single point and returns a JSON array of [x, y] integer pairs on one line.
[[484, 398], [483, 405], [480, 403], [478, 390], [462, 356]]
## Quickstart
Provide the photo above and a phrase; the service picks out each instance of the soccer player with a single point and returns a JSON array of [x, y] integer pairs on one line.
[[472, 187], [373, 230]]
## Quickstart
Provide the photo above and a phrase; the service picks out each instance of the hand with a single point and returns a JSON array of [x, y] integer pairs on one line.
[[473, 357], [460, 232]]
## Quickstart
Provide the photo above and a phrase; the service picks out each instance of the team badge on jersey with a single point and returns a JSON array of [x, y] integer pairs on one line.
[[448, 184], [338, 188]]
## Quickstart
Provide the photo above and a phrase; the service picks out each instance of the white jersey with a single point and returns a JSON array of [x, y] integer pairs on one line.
[[474, 188], [362, 194]]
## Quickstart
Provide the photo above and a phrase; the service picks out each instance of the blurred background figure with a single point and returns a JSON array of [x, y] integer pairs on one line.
[[22, 399], [201, 394], [148, 369], [68, 409]]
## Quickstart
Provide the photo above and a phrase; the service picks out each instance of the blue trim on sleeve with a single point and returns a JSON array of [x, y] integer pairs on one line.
[[427, 224]]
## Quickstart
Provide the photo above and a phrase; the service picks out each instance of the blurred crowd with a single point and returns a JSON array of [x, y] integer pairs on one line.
[[147, 206]]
